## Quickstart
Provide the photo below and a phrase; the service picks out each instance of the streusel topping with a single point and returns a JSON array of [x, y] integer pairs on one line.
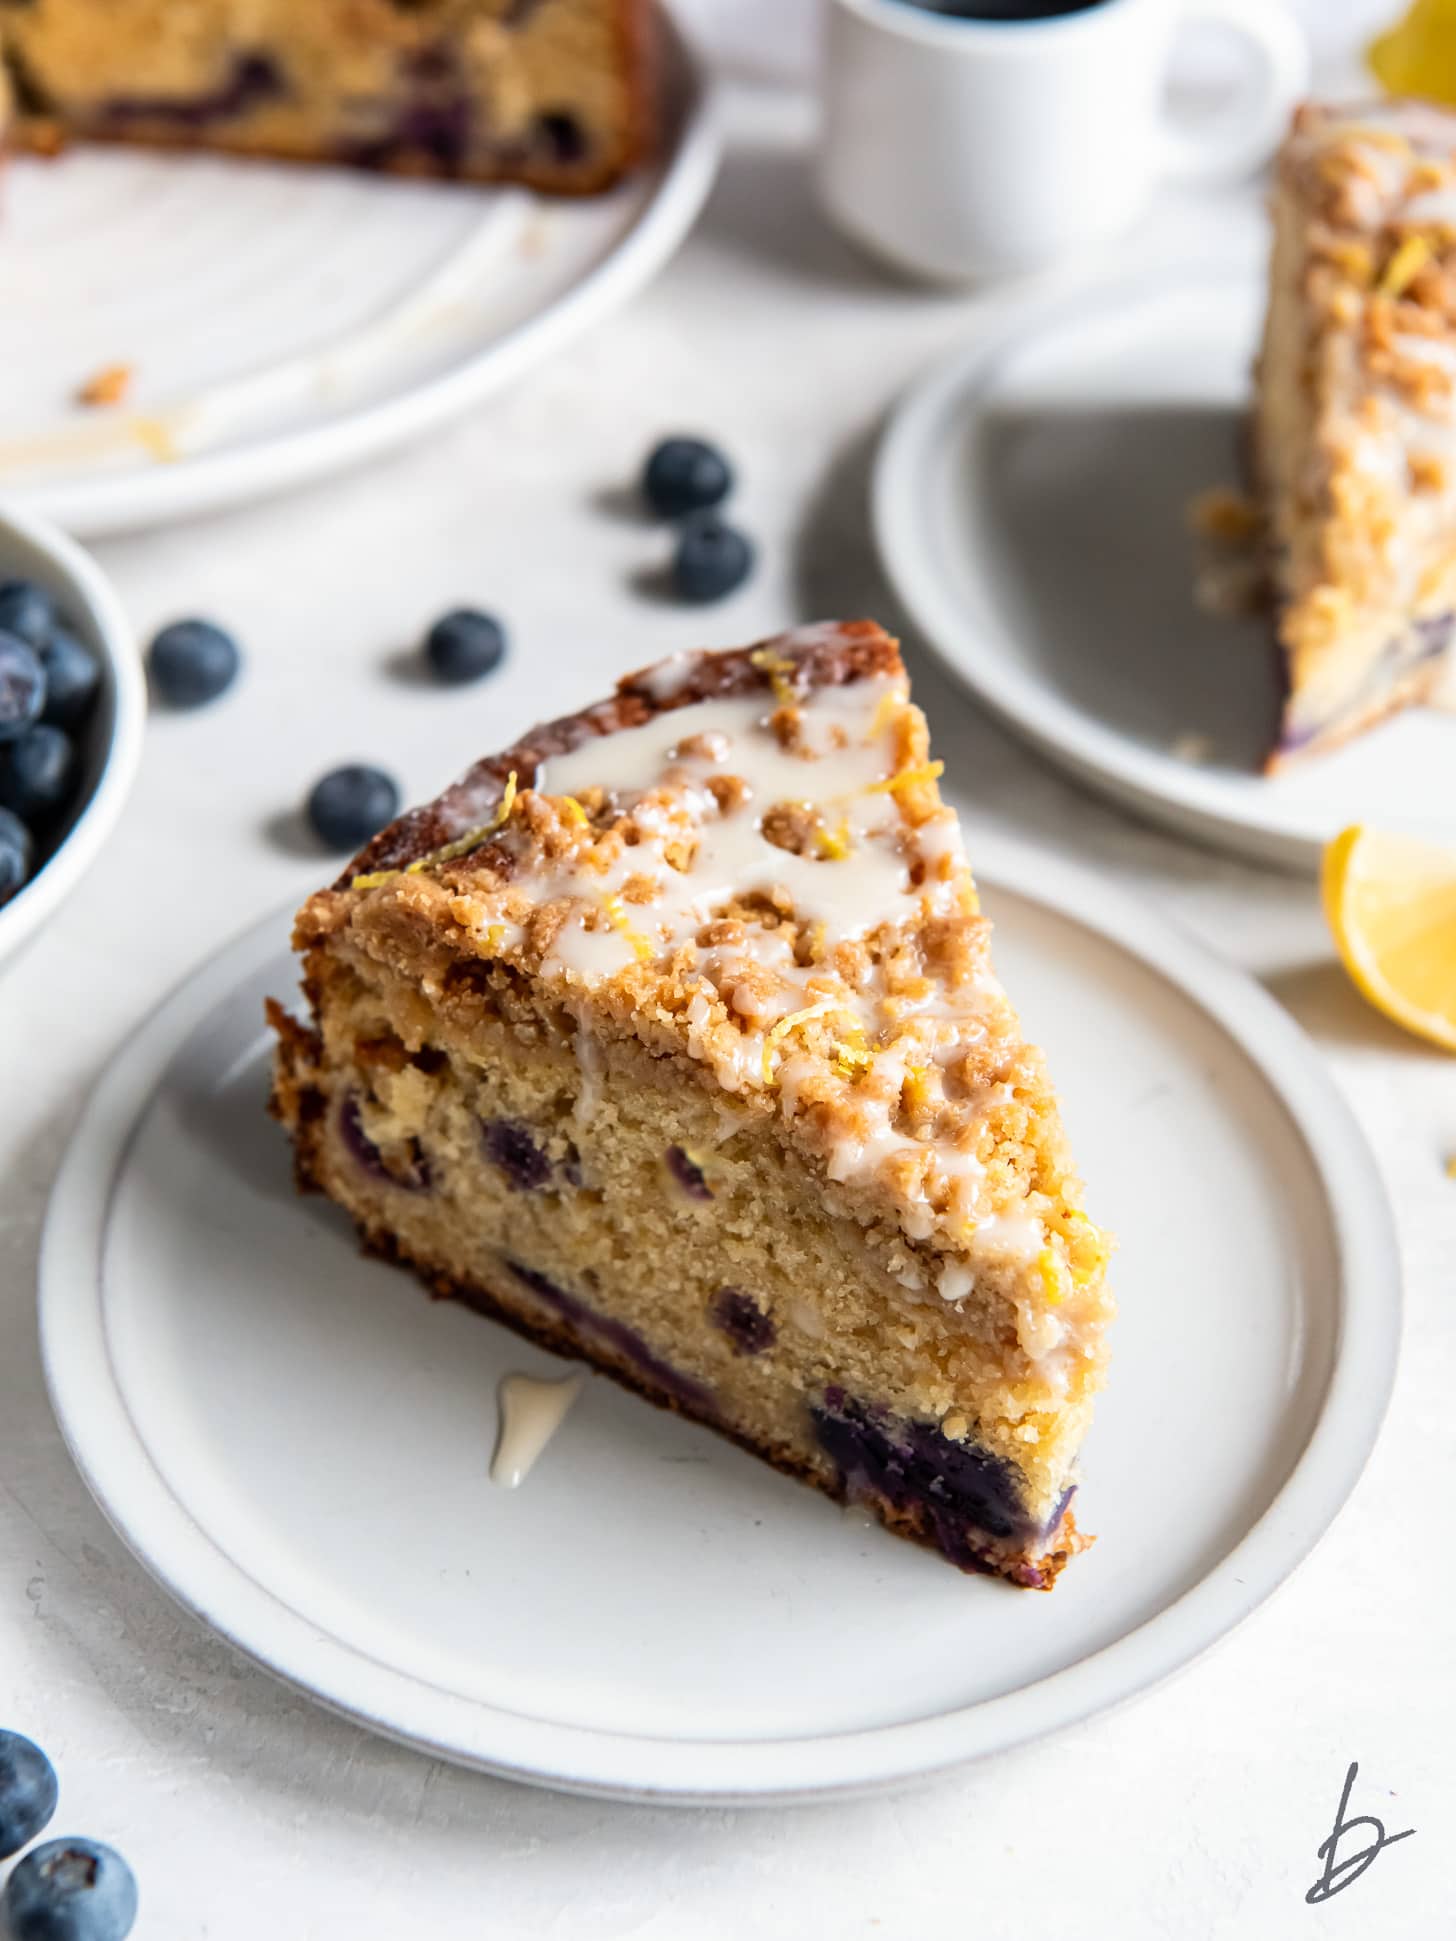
[[1380, 185]]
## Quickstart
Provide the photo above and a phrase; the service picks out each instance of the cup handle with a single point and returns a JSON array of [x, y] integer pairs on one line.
[[1246, 134]]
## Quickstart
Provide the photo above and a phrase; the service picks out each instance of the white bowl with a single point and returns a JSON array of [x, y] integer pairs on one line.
[[32, 549]]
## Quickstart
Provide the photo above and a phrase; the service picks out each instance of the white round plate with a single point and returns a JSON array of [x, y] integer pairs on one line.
[[1030, 503], [296, 1442], [283, 322]]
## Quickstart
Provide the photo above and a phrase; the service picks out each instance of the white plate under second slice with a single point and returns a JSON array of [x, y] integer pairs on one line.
[[297, 1443], [1031, 501]]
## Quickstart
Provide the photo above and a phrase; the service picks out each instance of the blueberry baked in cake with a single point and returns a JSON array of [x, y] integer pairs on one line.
[[1355, 423], [670, 1036], [554, 93]]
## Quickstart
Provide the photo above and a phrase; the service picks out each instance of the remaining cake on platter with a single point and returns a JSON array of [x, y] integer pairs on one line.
[[670, 1036], [1354, 440], [554, 93]]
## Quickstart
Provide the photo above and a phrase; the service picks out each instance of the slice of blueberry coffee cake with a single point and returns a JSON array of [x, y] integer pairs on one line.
[[1355, 423], [670, 1036], [555, 93]]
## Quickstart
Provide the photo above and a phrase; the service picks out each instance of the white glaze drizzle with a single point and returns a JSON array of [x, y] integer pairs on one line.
[[842, 757], [531, 1411], [682, 750], [669, 677]]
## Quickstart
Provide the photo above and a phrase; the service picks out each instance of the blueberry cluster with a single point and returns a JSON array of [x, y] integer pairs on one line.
[[686, 479], [63, 1890], [49, 683]]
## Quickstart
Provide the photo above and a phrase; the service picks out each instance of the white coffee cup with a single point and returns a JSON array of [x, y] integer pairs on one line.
[[960, 149]]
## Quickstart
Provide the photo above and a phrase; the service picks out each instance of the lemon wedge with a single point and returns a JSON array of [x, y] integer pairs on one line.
[[1391, 903], [1418, 54]]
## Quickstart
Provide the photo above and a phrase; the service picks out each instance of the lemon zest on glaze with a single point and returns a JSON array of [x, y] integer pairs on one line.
[[1050, 1270], [778, 668], [834, 844], [850, 1061], [780, 1030], [908, 777], [461, 846], [915, 1090], [1405, 266], [472, 838], [617, 916]]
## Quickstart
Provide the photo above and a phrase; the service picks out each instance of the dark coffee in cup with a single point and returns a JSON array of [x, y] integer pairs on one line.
[[1004, 9]]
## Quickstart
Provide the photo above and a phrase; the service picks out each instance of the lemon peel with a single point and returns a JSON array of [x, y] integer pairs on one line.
[[1405, 266], [461, 846], [907, 777], [1391, 905], [616, 915], [779, 669], [781, 1028]]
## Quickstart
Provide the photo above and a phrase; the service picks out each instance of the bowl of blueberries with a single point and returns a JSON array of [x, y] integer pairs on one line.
[[72, 710]]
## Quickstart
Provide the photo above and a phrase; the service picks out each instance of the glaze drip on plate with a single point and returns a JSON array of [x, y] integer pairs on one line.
[[531, 1411]]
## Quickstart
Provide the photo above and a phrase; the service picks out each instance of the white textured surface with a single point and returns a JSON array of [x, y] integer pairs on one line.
[[247, 1811]]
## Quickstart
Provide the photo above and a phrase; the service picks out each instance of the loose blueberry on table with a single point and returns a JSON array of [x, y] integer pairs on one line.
[[351, 804], [685, 475], [191, 662], [711, 560], [28, 1786], [464, 646], [69, 1890]]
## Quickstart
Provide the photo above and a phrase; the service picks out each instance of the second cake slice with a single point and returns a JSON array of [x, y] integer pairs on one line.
[[1355, 425]]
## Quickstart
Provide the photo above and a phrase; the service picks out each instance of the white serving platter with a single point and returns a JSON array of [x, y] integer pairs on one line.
[[281, 322]]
